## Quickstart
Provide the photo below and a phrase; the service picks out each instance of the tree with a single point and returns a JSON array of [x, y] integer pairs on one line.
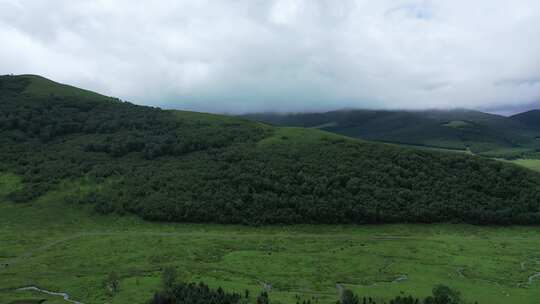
[[263, 298], [113, 282], [348, 297], [444, 295], [168, 277]]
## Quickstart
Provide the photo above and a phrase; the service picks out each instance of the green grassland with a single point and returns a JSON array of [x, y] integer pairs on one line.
[[9, 183], [533, 164], [43, 87], [457, 124], [293, 135], [68, 248]]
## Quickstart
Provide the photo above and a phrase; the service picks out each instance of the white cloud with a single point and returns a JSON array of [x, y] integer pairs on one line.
[[253, 55]]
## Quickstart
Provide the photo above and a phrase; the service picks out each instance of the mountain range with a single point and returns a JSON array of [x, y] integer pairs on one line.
[[477, 132]]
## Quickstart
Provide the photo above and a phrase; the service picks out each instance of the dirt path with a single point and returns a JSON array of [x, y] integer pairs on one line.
[[400, 278], [459, 271]]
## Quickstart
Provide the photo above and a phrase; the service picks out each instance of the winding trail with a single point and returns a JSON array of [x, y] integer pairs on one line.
[[64, 295], [533, 277], [459, 271], [400, 278]]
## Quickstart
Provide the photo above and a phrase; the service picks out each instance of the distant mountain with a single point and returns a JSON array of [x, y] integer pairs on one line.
[[88, 149], [457, 129], [529, 118]]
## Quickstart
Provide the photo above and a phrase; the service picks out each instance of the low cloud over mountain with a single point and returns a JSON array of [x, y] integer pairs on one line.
[[290, 55]]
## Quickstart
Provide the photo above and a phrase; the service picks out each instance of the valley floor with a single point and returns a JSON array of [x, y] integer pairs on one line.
[[69, 249]]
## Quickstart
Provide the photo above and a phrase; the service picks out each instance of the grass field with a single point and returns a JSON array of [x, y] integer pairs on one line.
[[70, 249], [458, 124], [533, 164], [40, 86]]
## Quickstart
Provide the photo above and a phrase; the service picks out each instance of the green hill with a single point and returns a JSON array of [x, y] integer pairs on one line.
[[195, 167], [529, 118], [458, 129]]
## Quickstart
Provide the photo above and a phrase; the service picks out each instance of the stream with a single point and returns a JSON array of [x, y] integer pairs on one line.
[[534, 277], [64, 295]]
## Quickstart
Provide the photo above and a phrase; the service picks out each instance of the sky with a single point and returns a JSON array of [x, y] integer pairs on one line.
[[240, 56]]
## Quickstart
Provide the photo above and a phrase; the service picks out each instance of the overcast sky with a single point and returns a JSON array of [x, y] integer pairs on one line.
[[290, 55]]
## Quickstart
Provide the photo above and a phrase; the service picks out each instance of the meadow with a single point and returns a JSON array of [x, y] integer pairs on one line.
[[533, 164], [70, 248]]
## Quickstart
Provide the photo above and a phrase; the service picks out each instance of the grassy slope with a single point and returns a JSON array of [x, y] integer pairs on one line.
[[9, 183], [533, 164], [43, 87], [69, 248], [281, 136]]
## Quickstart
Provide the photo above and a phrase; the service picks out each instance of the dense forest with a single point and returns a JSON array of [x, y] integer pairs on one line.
[[529, 118], [194, 167]]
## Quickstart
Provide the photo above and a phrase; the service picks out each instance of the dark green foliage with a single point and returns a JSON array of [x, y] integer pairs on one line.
[[182, 293], [263, 298], [201, 293], [406, 300], [529, 118], [169, 277], [445, 295], [348, 297], [441, 295], [192, 167], [113, 283]]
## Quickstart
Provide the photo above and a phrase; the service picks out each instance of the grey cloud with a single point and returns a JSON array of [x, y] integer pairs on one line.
[[412, 10], [519, 82], [282, 55]]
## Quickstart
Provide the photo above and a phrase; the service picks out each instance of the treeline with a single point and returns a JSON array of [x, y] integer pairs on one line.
[[194, 294], [192, 167], [441, 294], [177, 292]]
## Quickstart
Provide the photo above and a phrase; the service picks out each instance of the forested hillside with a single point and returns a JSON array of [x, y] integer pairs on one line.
[[529, 118], [194, 167], [456, 129]]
